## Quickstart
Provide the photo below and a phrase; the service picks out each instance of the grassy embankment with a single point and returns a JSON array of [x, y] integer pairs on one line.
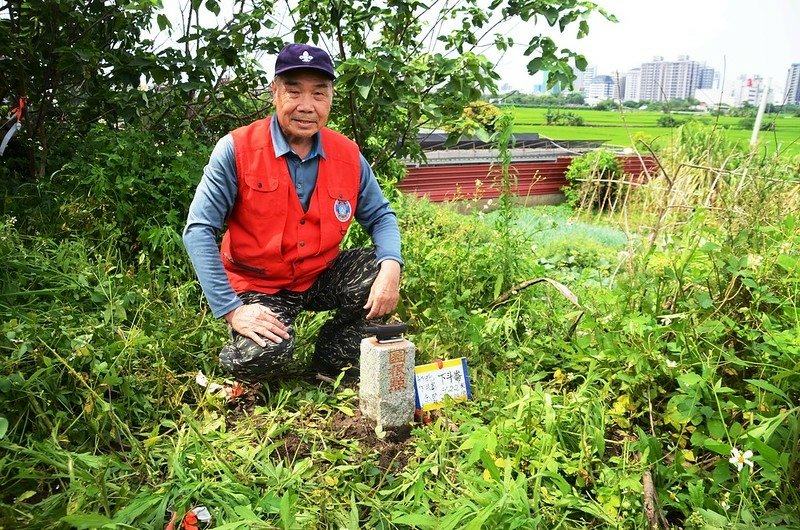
[[624, 129]]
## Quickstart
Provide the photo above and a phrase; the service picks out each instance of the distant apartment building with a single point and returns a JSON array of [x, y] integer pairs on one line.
[[633, 84], [601, 88], [664, 80], [708, 78], [583, 78], [747, 89], [792, 95]]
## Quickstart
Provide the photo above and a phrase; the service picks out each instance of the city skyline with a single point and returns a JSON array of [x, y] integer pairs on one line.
[[733, 37]]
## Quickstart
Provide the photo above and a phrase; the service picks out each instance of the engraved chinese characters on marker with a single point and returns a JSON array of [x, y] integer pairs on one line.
[[397, 371]]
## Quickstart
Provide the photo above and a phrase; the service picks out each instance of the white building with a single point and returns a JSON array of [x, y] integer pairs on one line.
[[664, 80], [601, 88], [792, 93], [748, 89], [633, 85], [583, 79]]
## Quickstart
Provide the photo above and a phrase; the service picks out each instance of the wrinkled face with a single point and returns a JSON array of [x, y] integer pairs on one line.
[[302, 103]]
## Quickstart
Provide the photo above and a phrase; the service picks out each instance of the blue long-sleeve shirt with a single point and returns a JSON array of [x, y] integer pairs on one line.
[[216, 195]]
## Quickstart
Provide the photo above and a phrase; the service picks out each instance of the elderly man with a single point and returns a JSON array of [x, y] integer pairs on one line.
[[288, 188]]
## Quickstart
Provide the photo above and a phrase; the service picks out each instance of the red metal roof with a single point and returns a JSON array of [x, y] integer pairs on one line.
[[468, 181]]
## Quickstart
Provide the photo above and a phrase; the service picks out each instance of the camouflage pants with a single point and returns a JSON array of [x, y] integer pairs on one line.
[[343, 287]]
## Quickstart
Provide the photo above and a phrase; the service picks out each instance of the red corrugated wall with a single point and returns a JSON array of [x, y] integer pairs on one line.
[[465, 181]]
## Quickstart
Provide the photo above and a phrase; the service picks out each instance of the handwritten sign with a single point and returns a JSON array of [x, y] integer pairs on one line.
[[434, 381]]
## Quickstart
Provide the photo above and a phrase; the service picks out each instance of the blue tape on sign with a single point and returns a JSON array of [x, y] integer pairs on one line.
[[466, 378]]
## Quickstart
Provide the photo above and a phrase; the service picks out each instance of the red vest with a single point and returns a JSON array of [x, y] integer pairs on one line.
[[271, 244]]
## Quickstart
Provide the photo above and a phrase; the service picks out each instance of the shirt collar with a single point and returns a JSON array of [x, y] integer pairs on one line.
[[281, 146]]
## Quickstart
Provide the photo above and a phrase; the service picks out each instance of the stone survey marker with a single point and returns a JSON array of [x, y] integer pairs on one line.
[[386, 392]]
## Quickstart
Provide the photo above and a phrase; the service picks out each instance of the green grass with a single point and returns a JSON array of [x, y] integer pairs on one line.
[[624, 129], [673, 356]]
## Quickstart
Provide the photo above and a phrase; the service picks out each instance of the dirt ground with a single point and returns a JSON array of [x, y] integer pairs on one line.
[[393, 448]]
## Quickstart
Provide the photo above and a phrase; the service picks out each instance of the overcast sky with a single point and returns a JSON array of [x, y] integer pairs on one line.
[[753, 37]]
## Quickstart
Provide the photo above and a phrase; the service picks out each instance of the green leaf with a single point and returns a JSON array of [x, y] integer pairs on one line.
[[721, 448], [488, 463], [767, 427], [364, 89], [353, 516], [286, 512], [163, 22], [788, 263], [689, 380], [88, 521], [213, 6], [498, 285], [713, 519], [416, 519], [3, 427], [704, 299], [769, 387]]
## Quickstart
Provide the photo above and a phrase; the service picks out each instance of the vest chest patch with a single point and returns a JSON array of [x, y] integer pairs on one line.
[[342, 210]]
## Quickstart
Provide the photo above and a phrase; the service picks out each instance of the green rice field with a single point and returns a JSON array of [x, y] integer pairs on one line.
[[623, 129]]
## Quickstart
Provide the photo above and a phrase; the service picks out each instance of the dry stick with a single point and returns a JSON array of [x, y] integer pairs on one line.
[[563, 289], [663, 211], [655, 518]]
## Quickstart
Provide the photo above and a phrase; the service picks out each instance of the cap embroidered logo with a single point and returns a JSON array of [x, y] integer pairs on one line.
[[306, 58]]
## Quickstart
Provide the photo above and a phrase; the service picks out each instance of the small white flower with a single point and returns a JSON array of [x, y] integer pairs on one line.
[[739, 459], [489, 202], [671, 364], [179, 154], [754, 261], [143, 87], [101, 121]]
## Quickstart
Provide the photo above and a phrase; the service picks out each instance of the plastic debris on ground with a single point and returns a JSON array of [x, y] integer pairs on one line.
[[231, 389]]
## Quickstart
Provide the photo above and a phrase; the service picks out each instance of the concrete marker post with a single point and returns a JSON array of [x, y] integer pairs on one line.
[[386, 390]]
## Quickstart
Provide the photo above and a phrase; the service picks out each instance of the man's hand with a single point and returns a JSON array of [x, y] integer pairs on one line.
[[385, 292], [256, 322]]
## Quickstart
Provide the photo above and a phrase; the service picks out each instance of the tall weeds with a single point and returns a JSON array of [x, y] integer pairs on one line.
[[710, 296]]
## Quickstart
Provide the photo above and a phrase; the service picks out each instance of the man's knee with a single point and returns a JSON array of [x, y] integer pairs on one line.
[[245, 359], [361, 271]]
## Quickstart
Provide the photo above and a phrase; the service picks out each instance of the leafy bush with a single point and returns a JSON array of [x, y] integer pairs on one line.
[[131, 187], [593, 180], [483, 114], [566, 118], [668, 120], [748, 124]]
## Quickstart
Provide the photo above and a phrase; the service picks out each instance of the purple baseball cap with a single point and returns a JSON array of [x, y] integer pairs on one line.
[[297, 56]]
